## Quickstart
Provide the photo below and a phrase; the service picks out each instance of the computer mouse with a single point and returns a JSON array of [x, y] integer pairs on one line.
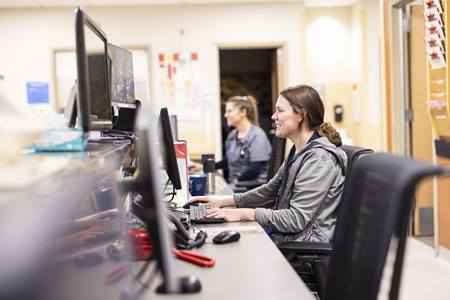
[[227, 236]]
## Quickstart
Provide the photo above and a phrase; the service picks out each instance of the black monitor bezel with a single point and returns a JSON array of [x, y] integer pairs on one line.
[[83, 99], [170, 158]]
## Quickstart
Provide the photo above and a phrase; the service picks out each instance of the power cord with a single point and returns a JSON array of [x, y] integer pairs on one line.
[[129, 294]]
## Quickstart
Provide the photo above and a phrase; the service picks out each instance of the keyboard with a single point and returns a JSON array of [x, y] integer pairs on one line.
[[197, 214], [111, 225]]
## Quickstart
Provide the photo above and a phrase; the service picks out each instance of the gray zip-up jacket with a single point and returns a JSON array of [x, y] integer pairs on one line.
[[303, 206]]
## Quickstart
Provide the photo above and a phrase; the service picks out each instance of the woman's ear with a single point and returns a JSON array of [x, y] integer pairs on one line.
[[243, 112]]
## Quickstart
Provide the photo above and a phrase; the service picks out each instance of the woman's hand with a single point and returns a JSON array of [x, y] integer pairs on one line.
[[216, 201], [95, 219], [79, 238], [232, 214], [196, 167]]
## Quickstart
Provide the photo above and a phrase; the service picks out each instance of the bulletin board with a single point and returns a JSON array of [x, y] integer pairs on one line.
[[179, 84], [437, 17]]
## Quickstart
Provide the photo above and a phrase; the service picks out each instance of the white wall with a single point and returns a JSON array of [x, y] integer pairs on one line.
[[27, 35], [342, 50], [372, 130], [329, 51]]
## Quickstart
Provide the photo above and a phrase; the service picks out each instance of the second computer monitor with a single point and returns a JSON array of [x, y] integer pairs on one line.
[[121, 75], [169, 156]]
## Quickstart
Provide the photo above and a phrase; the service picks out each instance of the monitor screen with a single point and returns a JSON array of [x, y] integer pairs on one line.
[[170, 158], [98, 91], [174, 125], [94, 106], [122, 78]]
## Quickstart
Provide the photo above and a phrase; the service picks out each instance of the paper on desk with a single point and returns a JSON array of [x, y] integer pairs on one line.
[[18, 128]]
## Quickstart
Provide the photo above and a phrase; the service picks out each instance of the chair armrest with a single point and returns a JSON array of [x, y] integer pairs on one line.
[[306, 248]]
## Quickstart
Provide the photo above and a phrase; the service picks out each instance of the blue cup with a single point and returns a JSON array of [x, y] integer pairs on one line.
[[197, 184]]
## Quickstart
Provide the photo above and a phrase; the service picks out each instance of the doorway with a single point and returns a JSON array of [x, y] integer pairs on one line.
[[411, 125], [252, 72]]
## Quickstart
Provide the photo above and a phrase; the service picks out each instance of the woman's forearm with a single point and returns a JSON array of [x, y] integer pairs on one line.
[[227, 201]]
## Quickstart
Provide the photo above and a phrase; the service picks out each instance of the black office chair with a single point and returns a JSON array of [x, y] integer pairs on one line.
[[374, 220], [277, 156], [309, 259], [275, 162]]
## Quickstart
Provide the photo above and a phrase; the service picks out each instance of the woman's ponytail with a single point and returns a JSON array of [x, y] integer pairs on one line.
[[252, 113], [328, 131]]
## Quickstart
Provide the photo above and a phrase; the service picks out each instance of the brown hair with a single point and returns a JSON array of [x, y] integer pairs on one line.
[[249, 104], [307, 102]]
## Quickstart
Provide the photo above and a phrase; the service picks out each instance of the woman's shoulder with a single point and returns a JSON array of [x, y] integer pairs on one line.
[[326, 156], [259, 132], [232, 134]]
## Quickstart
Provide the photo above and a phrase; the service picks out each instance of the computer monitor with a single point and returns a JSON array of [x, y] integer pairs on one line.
[[121, 76], [151, 210], [93, 101], [170, 158]]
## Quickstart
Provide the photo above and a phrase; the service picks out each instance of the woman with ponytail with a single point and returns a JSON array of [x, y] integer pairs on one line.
[[300, 202], [247, 148]]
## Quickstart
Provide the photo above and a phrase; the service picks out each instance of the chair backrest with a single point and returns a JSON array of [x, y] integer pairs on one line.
[[376, 208], [353, 153], [277, 156]]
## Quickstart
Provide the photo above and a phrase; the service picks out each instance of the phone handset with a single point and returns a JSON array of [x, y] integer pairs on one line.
[[182, 238], [180, 231]]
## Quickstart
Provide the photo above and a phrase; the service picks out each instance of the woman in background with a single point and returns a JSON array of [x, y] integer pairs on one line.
[[247, 148]]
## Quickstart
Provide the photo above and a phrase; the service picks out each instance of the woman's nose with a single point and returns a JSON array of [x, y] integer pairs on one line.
[[274, 116]]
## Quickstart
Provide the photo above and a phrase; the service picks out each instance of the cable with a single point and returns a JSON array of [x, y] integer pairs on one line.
[[173, 193], [128, 294]]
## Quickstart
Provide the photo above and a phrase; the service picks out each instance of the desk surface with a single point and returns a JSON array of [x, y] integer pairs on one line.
[[251, 268]]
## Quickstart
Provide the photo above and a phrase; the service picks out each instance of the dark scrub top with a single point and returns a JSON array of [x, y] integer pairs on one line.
[[255, 146]]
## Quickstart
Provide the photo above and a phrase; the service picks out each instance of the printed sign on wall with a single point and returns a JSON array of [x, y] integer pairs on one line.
[[37, 93], [179, 84]]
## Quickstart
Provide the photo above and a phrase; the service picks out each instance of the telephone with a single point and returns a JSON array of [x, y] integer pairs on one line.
[[181, 235], [182, 238]]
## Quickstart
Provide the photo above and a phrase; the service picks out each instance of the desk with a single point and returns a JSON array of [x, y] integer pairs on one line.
[[38, 206], [252, 268], [222, 186]]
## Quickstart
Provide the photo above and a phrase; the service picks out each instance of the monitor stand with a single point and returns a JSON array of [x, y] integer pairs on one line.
[[187, 285]]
